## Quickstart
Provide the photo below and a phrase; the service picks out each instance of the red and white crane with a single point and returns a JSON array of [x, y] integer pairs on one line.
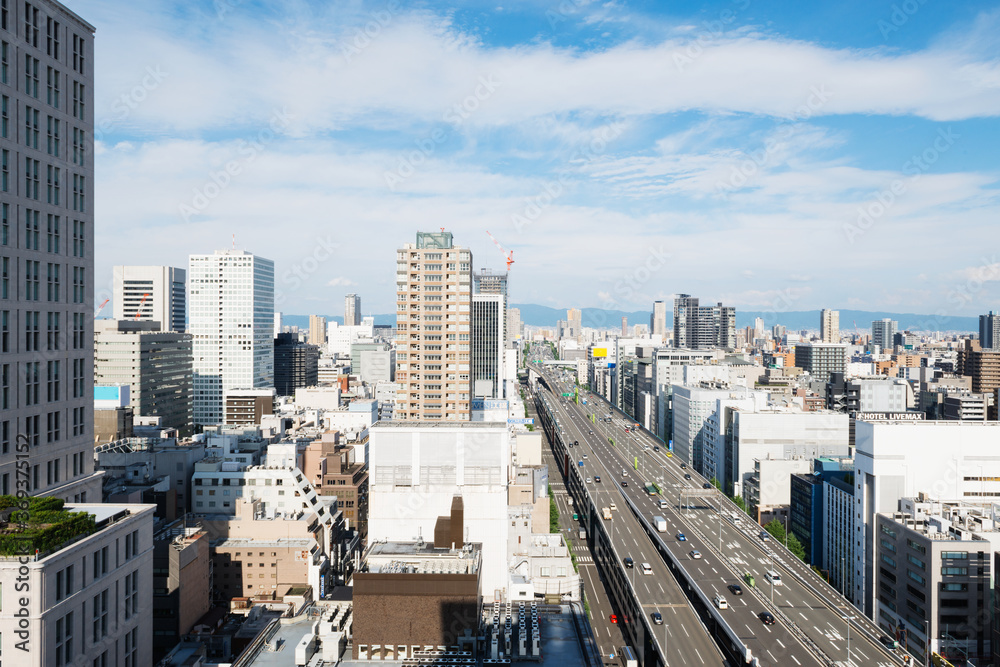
[[138, 311], [508, 254], [100, 308]]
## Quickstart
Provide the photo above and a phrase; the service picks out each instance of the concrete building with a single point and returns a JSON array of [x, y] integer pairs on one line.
[[317, 331], [336, 469], [768, 489], [884, 333], [246, 407], [91, 591], [513, 325], [989, 331], [838, 532], [868, 394], [935, 578], [182, 582], [352, 310], [809, 519], [899, 459], [232, 308], [488, 321], [821, 359], [296, 364], [47, 251], [829, 326], [339, 338], [154, 458], [434, 301], [157, 293], [966, 406], [418, 468], [414, 595], [703, 327], [658, 319], [692, 408], [155, 364]]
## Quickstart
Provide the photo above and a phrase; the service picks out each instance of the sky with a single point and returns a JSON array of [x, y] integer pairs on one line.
[[770, 155]]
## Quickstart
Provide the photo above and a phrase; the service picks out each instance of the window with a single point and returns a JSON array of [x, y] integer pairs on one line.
[[78, 53], [31, 79], [32, 383], [53, 234], [52, 334], [4, 277], [78, 238], [31, 25], [916, 577], [31, 431], [887, 560], [131, 649], [32, 282], [52, 386], [52, 136], [5, 331], [4, 62], [955, 588], [31, 229], [64, 640], [101, 660], [955, 555], [955, 570], [78, 100], [100, 616], [5, 223], [4, 116], [5, 177], [52, 87], [64, 583], [52, 283], [79, 193], [78, 286], [52, 181], [888, 546], [79, 423], [32, 180], [79, 146], [31, 333], [77, 331], [5, 388], [31, 127], [100, 561], [916, 561], [52, 38]]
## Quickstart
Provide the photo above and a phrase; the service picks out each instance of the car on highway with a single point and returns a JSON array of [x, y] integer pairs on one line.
[[766, 617], [597, 479], [681, 537], [687, 476], [588, 480], [889, 642], [629, 562], [684, 466], [764, 536], [720, 602], [614, 618], [735, 589], [613, 507], [624, 483], [647, 568], [657, 618], [695, 554], [706, 485], [656, 448], [584, 456]]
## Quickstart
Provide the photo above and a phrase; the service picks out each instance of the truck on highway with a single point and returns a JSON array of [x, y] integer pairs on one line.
[[606, 513], [660, 523], [583, 533]]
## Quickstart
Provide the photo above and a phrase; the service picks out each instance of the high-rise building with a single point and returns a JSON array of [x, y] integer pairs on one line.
[[157, 293], [47, 255], [352, 310], [821, 359], [574, 322], [513, 324], [829, 326], [232, 316], [624, 326], [155, 364], [658, 320], [434, 303], [702, 327], [883, 333], [296, 364], [487, 345], [317, 330], [989, 331]]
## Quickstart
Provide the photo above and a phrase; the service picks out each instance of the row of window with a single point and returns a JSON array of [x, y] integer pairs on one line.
[[33, 282], [32, 237]]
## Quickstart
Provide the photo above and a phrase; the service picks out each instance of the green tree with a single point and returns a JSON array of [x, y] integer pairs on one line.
[[796, 547], [740, 503], [777, 530], [716, 483]]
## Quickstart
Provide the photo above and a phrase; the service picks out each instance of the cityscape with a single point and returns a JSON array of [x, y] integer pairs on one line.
[[580, 333]]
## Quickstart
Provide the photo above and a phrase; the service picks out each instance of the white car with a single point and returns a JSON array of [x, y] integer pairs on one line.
[[696, 554], [721, 602], [613, 507], [588, 480]]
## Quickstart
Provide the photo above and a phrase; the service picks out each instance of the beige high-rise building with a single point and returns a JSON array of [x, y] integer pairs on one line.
[[433, 326], [574, 321], [658, 320], [317, 330], [352, 310], [829, 326]]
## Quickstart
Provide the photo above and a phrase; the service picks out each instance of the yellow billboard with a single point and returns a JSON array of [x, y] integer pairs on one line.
[[600, 353]]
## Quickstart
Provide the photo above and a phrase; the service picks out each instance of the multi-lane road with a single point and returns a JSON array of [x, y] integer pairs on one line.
[[812, 621]]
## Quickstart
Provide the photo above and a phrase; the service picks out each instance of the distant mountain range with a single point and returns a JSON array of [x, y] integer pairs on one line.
[[794, 320]]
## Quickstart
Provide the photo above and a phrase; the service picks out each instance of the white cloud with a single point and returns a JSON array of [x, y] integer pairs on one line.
[[341, 282]]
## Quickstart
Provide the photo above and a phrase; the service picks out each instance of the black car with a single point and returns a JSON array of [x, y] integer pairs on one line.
[[624, 483], [706, 485], [888, 642], [687, 476], [597, 479], [766, 617], [684, 466], [629, 562], [735, 589], [656, 448], [657, 618]]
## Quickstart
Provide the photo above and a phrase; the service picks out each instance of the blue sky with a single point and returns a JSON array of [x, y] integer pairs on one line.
[[771, 155]]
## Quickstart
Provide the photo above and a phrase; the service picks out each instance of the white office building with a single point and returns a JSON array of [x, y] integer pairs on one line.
[[693, 406], [232, 315], [488, 321], [157, 293], [340, 337], [947, 460]]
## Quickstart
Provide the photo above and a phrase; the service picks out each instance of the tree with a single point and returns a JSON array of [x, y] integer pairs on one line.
[[740, 503], [796, 547], [716, 483], [777, 530]]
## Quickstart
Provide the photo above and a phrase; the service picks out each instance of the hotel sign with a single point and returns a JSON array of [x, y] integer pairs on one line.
[[890, 416]]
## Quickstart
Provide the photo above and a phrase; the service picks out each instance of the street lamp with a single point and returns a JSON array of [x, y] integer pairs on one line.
[[848, 619]]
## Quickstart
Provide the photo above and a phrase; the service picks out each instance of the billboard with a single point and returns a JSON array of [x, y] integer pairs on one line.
[[600, 353]]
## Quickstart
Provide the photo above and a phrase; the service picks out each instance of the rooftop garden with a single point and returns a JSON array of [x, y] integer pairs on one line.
[[27, 524]]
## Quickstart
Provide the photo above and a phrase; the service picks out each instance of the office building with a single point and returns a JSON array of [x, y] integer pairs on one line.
[[157, 293], [935, 578], [703, 327], [317, 331], [692, 407], [821, 359], [829, 326], [574, 322], [182, 582], [868, 394], [247, 407], [156, 365], [47, 250], [513, 325], [658, 319], [231, 316], [989, 331], [91, 587], [433, 328], [487, 346], [896, 459], [352, 310], [296, 364], [884, 333]]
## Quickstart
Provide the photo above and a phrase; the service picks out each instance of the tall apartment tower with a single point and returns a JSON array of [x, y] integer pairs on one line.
[[232, 317], [352, 310], [624, 326], [317, 330], [658, 320], [433, 328], [513, 324], [829, 326], [157, 293], [488, 281], [574, 321], [883, 333], [703, 327], [47, 252], [989, 331]]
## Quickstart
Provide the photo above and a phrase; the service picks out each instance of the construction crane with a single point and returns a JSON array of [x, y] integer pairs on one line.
[[100, 308], [138, 311], [508, 254]]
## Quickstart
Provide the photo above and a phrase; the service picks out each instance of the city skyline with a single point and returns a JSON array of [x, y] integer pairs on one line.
[[872, 115]]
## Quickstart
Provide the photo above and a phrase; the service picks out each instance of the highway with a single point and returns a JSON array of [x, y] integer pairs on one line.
[[809, 611]]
